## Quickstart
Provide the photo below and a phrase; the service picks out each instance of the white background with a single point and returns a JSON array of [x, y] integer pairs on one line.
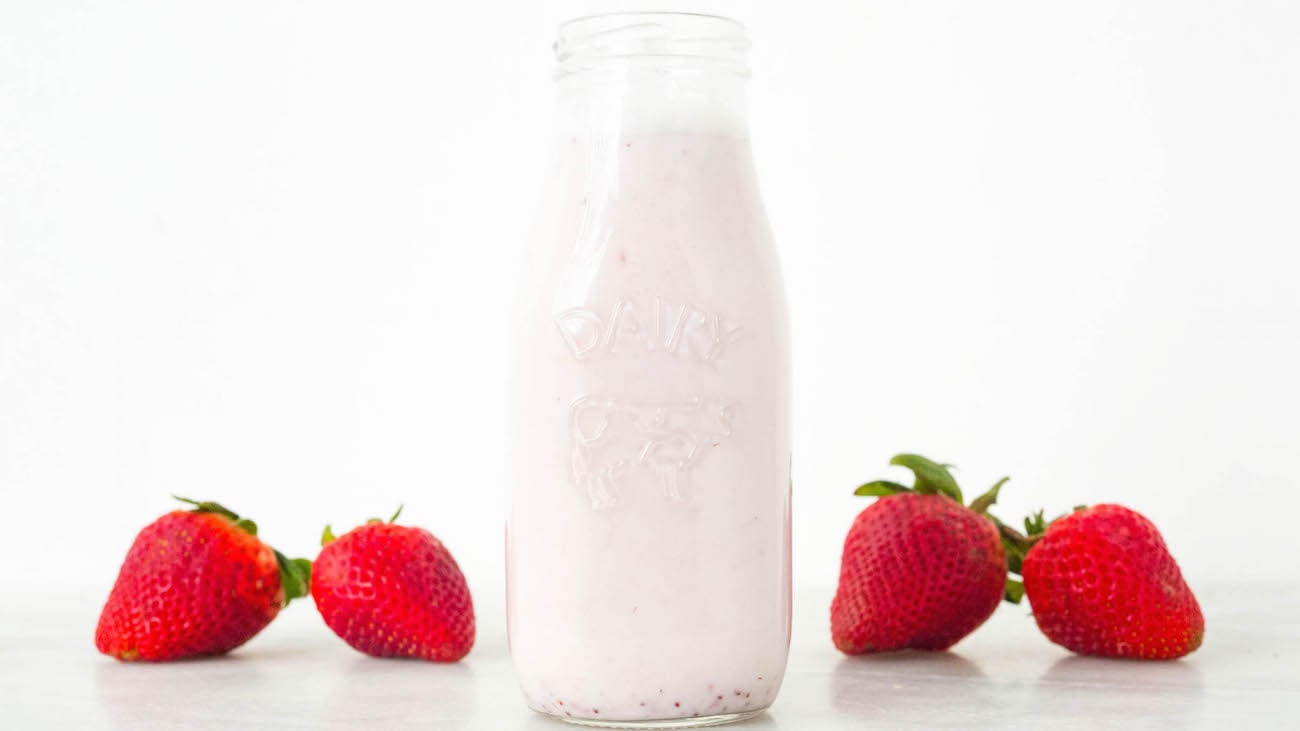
[[263, 252]]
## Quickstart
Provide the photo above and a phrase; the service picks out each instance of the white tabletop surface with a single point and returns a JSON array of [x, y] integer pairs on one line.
[[298, 675]]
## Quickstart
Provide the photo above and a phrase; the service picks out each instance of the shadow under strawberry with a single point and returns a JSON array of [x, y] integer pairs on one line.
[[909, 686], [190, 693], [1133, 692], [370, 692]]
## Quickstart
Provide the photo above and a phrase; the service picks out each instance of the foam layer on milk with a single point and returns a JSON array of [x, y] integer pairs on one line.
[[628, 101]]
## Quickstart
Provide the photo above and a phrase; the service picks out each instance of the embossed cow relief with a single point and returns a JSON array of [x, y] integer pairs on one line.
[[613, 439]]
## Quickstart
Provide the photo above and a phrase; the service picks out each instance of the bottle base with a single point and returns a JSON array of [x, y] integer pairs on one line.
[[693, 722]]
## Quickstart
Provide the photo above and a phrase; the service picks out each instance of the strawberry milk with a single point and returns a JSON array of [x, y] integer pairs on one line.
[[648, 531]]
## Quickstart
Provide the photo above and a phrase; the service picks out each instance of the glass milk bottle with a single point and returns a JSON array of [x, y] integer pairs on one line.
[[648, 531]]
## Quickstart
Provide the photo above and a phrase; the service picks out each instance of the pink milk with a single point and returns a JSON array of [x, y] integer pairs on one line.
[[649, 520]]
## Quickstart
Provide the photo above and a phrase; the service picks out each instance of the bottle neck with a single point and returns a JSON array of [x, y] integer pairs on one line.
[[631, 74]]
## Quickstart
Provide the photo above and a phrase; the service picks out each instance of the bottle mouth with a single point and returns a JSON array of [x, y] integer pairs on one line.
[[665, 39]]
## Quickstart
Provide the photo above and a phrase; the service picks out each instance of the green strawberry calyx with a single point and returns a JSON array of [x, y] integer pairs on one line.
[[327, 536], [295, 573], [933, 478]]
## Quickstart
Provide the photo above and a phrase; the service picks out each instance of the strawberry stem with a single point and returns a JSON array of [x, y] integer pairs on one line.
[[881, 488], [931, 477], [295, 576], [1034, 524], [1016, 545], [207, 506], [390, 520], [1014, 591], [982, 503], [1017, 539], [327, 536]]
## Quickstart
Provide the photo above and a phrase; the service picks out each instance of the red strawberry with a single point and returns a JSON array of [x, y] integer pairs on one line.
[[195, 582], [393, 591], [919, 570], [1101, 582]]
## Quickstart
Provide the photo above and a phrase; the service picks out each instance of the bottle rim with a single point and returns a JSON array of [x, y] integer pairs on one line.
[[672, 39]]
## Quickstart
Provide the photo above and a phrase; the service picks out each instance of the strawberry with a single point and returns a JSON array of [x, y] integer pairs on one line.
[[920, 570], [1100, 581], [196, 582], [393, 591]]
